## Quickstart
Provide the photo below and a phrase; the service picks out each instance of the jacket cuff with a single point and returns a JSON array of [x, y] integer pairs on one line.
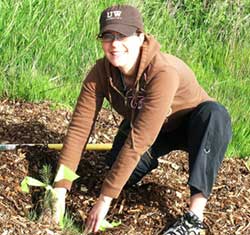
[[63, 184], [110, 191]]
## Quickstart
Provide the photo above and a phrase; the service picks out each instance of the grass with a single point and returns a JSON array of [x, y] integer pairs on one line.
[[70, 228], [47, 47]]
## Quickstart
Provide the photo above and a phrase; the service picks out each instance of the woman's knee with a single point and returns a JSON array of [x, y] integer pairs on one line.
[[220, 118], [213, 108], [214, 111], [212, 118]]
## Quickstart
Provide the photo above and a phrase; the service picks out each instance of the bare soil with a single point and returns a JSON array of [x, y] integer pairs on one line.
[[147, 208]]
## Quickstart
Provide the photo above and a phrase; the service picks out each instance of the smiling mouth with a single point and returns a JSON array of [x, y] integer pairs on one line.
[[117, 53]]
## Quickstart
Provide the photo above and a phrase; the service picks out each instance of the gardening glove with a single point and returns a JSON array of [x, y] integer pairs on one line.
[[97, 214], [59, 204]]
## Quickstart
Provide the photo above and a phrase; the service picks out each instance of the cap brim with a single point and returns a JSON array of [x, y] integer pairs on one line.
[[120, 28]]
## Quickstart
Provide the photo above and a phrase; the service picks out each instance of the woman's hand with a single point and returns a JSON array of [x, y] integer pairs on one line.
[[59, 204], [97, 214]]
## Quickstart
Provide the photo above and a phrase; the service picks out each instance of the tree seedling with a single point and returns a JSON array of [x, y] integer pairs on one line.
[[50, 194]]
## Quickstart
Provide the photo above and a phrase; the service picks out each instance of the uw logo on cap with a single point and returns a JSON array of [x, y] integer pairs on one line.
[[114, 15]]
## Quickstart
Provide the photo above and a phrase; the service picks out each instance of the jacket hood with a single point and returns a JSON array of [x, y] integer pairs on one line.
[[150, 48]]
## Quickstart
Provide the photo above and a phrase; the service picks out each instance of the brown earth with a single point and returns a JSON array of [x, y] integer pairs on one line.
[[144, 209]]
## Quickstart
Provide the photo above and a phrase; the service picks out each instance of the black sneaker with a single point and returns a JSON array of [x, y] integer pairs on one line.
[[188, 224]]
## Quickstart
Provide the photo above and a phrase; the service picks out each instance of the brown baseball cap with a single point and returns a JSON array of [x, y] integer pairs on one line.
[[123, 19]]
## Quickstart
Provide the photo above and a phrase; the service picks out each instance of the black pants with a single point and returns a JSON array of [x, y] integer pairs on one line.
[[204, 134]]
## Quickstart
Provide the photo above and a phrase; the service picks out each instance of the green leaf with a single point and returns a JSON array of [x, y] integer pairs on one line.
[[29, 181], [116, 224], [65, 173], [24, 186], [34, 182], [105, 225]]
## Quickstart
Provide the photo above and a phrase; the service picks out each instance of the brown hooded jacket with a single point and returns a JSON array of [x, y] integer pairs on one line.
[[165, 90]]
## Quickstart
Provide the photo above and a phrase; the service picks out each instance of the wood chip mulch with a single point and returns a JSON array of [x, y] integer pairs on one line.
[[147, 208]]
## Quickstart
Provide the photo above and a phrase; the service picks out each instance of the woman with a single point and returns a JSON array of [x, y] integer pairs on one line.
[[164, 108]]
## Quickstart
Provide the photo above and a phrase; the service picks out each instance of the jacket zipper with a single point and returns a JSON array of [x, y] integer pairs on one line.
[[119, 92]]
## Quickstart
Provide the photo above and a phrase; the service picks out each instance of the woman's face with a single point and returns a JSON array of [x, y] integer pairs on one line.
[[121, 51]]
